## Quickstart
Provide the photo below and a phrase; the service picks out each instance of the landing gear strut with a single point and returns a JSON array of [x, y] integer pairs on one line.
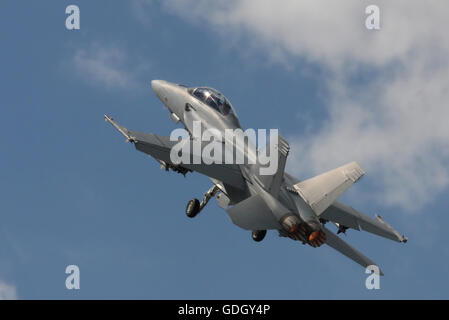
[[258, 235], [194, 206]]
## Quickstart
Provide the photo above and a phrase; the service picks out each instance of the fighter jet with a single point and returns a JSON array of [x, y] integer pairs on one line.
[[254, 200]]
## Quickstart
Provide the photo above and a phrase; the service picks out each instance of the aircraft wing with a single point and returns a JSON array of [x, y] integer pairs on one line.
[[159, 147], [322, 190], [348, 217], [335, 242]]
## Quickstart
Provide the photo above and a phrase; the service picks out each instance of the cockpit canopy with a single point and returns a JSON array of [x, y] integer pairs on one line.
[[213, 98]]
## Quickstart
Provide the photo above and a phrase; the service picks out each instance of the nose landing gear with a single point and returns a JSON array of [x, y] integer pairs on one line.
[[194, 206]]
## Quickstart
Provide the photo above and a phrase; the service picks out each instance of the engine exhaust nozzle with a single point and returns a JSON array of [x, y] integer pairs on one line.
[[317, 238]]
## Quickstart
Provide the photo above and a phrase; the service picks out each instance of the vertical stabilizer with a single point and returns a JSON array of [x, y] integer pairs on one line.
[[272, 183]]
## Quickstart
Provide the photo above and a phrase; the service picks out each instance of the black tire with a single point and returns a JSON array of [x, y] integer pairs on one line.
[[259, 235], [193, 208]]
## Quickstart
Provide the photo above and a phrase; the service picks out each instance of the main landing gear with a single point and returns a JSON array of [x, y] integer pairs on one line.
[[194, 206], [258, 235]]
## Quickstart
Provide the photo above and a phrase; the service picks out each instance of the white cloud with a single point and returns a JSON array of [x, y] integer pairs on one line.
[[396, 124], [107, 66], [140, 10], [7, 292]]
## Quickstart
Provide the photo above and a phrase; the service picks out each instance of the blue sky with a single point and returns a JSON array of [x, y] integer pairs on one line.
[[74, 193]]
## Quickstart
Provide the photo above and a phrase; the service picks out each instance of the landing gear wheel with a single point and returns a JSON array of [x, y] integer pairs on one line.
[[193, 208], [258, 235]]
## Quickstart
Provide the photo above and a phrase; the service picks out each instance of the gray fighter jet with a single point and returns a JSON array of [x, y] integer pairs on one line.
[[254, 201]]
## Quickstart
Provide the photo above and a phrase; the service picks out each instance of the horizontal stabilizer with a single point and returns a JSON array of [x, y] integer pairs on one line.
[[335, 242]]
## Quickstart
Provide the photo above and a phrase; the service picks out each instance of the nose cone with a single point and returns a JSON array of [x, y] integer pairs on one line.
[[158, 86], [170, 95]]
